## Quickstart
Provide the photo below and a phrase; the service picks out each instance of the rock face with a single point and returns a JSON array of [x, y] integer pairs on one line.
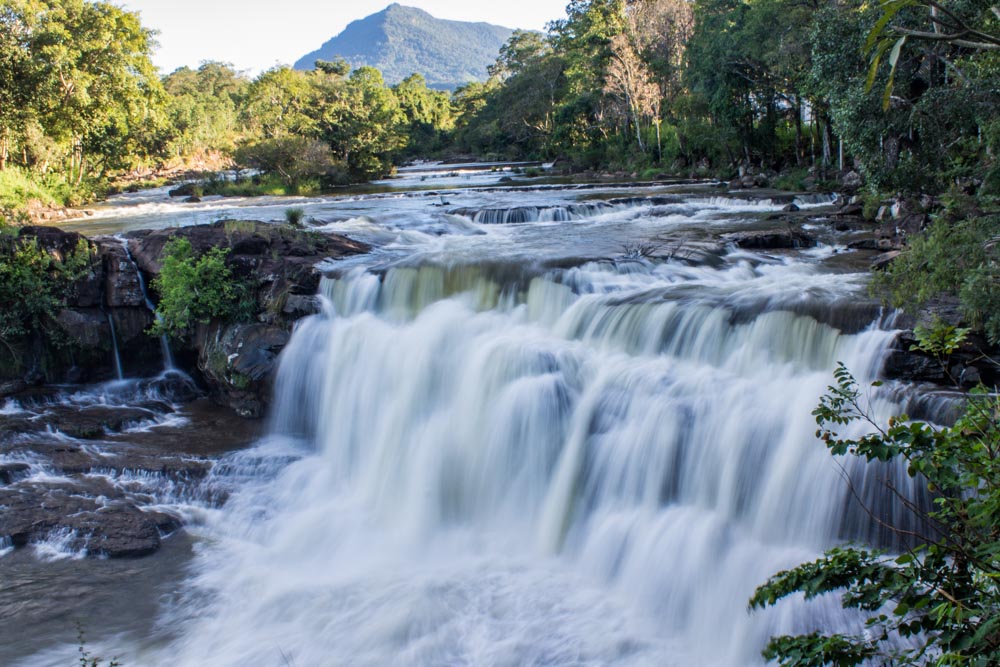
[[237, 360], [77, 344], [966, 368], [108, 307]]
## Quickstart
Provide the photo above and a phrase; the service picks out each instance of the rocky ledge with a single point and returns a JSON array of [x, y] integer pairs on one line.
[[107, 308], [89, 473]]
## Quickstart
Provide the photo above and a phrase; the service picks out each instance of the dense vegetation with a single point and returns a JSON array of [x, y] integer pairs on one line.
[[35, 285], [399, 41], [196, 289], [82, 105]]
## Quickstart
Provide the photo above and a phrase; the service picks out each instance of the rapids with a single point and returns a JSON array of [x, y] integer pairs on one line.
[[527, 444]]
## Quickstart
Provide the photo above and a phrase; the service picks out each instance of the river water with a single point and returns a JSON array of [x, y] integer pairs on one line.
[[537, 425]]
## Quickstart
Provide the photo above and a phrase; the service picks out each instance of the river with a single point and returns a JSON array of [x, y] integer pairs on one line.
[[537, 425]]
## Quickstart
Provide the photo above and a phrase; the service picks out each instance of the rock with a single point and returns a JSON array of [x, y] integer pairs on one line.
[[883, 261], [771, 240], [856, 209], [184, 190], [902, 364], [122, 287], [851, 181], [11, 471], [864, 244], [86, 328], [55, 241], [298, 306], [791, 208], [193, 200], [87, 423], [99, 521], [239, 361], [11, 387]]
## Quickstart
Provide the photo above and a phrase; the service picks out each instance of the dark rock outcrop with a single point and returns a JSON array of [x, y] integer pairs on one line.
[[775, 239], [238, 362], [107, 305]]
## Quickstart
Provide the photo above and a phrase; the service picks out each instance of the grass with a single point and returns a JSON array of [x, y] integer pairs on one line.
[[20, 187], [17, 188]]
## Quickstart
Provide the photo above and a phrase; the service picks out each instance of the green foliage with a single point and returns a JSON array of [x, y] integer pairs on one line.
[[942, 594], [294, 216], [34, 286], [194, 290], [954, 256]]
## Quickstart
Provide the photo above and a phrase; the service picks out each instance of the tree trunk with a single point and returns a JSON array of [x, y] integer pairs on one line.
[[4, 148]]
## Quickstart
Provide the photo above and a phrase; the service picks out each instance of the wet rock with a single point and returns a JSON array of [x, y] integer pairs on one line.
[[184, 190], [11, 471], [974, 362], [87, 423], [12, 387], [856, 210], [95, 522], [298, 306], [122, 288], [771, 239], [791, 208], [86, 328], [193, 199], [864, 244], [239, 362]]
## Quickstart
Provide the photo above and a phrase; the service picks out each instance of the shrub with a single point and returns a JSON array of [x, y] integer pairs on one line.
[[942, 594], [35, 286], [294, 216], [959, 257], [195, 290]]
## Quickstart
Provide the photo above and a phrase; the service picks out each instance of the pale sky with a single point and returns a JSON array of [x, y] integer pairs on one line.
[[254, 35]]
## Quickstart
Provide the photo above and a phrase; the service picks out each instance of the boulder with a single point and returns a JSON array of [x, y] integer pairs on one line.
[[122, 287], [777, 239], [851, 181], [239, 361], [883, 261]]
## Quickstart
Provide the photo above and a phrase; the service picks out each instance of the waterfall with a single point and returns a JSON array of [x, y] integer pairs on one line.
[[168, 357], [593, 466], [119, 371]]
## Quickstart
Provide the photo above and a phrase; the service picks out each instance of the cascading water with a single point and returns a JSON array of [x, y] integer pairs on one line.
[[119, 370], [168, 356], [593, 466]]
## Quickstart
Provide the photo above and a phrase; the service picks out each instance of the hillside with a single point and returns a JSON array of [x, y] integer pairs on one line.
[[402, 40]]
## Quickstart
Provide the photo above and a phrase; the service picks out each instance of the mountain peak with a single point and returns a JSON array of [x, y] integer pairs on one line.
[[402, 40]]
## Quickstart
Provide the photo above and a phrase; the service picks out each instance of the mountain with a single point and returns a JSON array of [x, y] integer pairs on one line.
[[402, 40]]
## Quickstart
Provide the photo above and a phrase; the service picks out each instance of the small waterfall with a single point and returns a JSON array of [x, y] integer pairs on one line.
[[523, 214], [119, 372], [168, 357]]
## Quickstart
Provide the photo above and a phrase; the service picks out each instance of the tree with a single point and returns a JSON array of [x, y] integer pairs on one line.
[[938, 602], [96, 89], [428, 115]]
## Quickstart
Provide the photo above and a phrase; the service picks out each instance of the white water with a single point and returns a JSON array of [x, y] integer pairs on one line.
[[474, 460], [580, 468]]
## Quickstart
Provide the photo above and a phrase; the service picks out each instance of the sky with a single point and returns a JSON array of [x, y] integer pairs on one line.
[[254, 35]]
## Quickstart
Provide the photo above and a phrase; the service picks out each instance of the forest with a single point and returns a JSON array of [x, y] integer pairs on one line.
[[893, 103]]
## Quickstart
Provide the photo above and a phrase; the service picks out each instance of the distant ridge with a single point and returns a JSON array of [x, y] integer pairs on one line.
[[402, 40]]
